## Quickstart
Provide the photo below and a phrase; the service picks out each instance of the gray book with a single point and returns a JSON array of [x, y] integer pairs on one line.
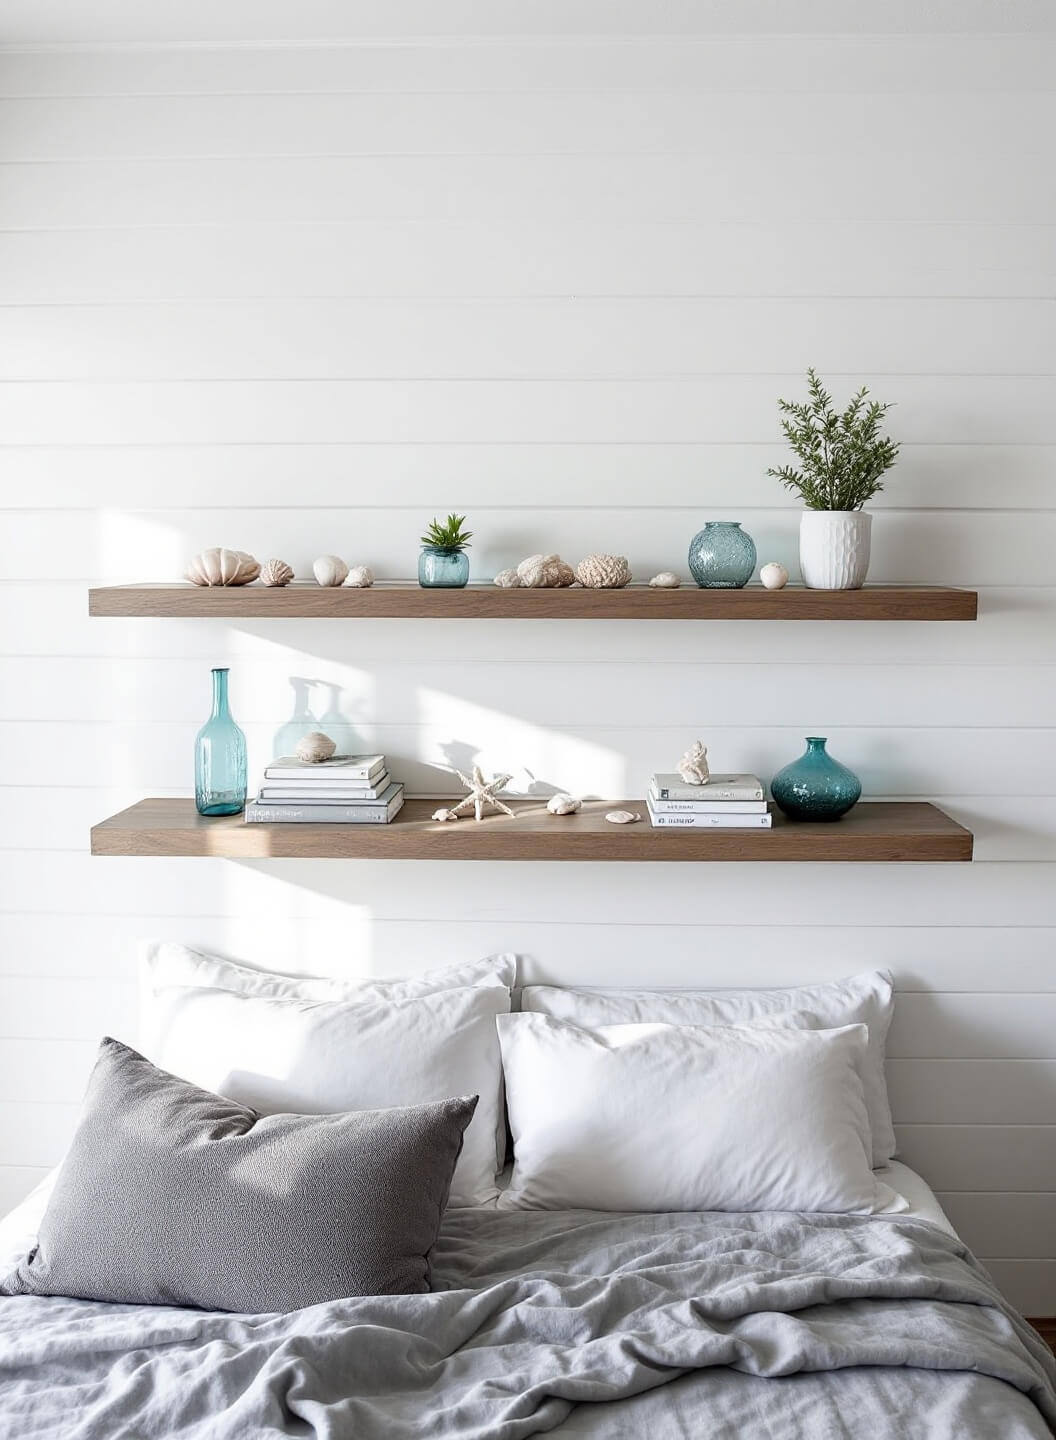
[[708, 822], [719, 787], [286, 790], [259, 813]]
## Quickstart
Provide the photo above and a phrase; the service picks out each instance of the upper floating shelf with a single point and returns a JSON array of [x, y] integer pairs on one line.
[[405, 600]]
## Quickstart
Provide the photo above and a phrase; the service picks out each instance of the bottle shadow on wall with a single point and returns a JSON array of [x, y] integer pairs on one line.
[[316, 706]]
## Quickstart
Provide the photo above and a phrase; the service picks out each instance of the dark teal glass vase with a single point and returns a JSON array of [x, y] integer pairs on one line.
[[722, 556], [815, 787], [443, 569], [220, 758]]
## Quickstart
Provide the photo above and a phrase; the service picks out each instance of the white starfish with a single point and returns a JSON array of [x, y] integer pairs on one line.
[[481, 793]]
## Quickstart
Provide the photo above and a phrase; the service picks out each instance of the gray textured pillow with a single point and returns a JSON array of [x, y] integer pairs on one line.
[[173, 1196]]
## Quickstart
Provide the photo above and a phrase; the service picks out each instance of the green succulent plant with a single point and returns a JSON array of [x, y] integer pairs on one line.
[[843, 456], [447, 535]]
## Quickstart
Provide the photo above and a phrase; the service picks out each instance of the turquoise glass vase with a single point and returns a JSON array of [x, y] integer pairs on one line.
[[815, 787], [722, 556], [220, 758], [443, 569]]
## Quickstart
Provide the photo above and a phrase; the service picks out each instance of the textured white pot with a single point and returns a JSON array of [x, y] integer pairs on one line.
[[834, 548]]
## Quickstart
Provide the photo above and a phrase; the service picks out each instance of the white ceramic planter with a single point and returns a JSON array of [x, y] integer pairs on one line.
[[834, 548]]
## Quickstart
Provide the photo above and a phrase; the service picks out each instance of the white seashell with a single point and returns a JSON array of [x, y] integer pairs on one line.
[[329, 570], [540, 571], [507, 580], [604, 572], [313, 749], [562, 804], [666, 580], [621, 817], [218, 566], [774, 576], [360, 577], [444, 814], [276, 572], [693, 767]]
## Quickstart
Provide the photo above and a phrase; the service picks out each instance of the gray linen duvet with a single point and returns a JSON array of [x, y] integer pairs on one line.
[[573, 1323]]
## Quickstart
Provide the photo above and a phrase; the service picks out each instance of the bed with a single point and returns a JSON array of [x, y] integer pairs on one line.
[[573, 1323]]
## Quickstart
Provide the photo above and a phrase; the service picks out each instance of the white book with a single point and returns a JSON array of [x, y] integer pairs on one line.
[[719, 787], [257, 813], [325, 790], [340, 767], [276, 795], [705, 807], [709, 822]]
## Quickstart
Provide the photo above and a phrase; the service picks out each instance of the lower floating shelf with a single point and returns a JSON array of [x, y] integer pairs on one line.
[[886, 831]]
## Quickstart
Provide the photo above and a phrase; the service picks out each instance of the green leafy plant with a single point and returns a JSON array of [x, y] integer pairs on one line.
[[448, 535], [842, 456]]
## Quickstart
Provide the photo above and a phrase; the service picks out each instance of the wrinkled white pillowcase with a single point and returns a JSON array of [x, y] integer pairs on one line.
[[864, 999], [666, 1117], [281, 1054]]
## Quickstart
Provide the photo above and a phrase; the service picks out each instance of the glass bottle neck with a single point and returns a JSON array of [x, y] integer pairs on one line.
[[219, 694], [816, 742]]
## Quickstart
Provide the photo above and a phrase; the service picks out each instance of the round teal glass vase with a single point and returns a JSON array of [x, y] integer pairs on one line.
[[443, 569], [722, 556], [815, 787], [220, 758]]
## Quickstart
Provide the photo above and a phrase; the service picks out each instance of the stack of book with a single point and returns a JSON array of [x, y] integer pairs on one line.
[[728, 802], [347, 790]]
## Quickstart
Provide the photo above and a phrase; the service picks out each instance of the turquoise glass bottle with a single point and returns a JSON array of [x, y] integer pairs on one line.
[[220, 774], [722, 556], [815, 787]]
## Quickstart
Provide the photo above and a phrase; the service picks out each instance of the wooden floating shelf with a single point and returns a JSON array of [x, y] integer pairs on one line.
[[873, 831], [405, 600]]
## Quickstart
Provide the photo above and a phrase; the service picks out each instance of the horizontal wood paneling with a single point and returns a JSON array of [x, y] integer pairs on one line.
[[529, 339], [1003, 1226], [981, 1157], [450, 258], [16, 1181], [965, 1092]]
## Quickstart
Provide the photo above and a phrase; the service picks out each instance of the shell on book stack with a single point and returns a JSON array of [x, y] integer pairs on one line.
[[313, 749]]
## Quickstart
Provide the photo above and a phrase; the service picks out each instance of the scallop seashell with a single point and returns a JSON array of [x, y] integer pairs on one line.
[[774, 576], [360, 577], [313, 749], [218, 566], [621, 817], [562, 804], [604, 572], [444, 814], [507, 580], [329, 570], [666, 580], [276, 572]]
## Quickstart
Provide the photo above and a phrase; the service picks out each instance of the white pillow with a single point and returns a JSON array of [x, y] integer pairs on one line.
[[863, 999], [669, 1117], [283, 1054], [165, 963]]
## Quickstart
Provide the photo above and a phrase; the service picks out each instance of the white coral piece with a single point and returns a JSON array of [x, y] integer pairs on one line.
[[360, 577], [693, 767], [329, 570], [313, 749], [218, 566], [562, 804], [276, 572], [603, 572], [507, 580], [666, 580], [539, 572]]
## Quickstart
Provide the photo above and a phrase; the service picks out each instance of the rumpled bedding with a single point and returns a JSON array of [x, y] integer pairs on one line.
[[576, 1324]]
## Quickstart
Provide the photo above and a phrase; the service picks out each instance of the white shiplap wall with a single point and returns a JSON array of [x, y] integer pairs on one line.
[[295, 278]]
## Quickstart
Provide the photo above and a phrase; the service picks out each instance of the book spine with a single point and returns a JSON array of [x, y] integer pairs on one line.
[[320, 814], [285, 775], [713, 822], [715, 792], [722, 807], [345, 796]]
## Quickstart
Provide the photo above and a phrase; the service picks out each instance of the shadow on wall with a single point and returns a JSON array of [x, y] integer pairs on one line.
[[317, 706]]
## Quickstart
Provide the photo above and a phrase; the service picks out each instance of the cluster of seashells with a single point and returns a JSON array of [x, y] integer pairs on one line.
[[596, 572], [218, 566]]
